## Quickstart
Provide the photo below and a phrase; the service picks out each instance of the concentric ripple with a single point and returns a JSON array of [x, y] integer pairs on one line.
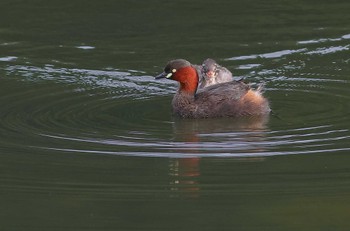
[[125, 112]]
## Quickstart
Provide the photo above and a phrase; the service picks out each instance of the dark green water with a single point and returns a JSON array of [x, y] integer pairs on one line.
[[88, 142]]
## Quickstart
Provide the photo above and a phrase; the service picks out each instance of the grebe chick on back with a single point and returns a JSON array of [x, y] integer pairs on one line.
[[212, 73]]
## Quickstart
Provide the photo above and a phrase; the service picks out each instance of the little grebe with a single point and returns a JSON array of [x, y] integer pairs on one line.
[[229, 99]]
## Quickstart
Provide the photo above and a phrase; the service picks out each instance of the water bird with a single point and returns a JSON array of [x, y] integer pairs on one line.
[[212, 73], [229, 99]]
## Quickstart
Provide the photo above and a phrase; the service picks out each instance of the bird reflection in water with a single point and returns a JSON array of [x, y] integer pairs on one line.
[[212, 137]]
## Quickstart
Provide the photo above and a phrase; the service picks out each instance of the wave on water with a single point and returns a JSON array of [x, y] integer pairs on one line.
[[323, 40], [309, 49], [130, 83], [118, 112]]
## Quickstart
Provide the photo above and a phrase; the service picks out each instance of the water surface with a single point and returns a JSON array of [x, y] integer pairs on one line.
[[88, 141]]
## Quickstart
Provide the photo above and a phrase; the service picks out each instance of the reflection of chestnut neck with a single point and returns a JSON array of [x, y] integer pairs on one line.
[[185, 167], [185, 172], [189, 167]]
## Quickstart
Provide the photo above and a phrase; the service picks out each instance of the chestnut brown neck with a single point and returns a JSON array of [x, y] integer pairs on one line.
[[188, 79]]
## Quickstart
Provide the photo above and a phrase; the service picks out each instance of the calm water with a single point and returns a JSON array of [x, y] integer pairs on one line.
[[88, 142]]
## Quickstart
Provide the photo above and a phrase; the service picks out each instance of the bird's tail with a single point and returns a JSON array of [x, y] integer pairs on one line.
[[261, 88]]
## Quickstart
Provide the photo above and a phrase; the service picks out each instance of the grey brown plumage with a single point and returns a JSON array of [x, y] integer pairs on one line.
[[212, 73], [229, 99]]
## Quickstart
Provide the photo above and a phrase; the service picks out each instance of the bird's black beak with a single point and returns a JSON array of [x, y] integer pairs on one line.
[[161, 76]]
